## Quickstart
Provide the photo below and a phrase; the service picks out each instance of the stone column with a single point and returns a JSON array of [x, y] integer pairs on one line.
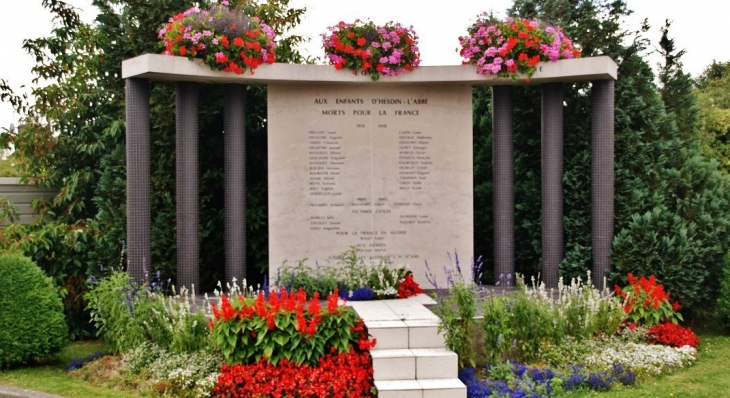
[[552, 182], [602, 174], [138, 178], [186, 147], [503, 169], [235, 181]]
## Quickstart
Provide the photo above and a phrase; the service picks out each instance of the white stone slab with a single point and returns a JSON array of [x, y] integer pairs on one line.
[[436, 363], [164, 67], [424, 334], [399, 389], [393, 364], [422, 298], [386, 168], [389, 334], [443, 388]]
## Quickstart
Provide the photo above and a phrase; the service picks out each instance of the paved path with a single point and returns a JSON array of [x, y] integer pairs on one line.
[[12, 392]]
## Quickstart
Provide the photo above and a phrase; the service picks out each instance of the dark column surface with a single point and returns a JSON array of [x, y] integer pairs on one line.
[[602, 173], [138, 177], [552, 182], [186, 147], [503, 168], [235, 181]]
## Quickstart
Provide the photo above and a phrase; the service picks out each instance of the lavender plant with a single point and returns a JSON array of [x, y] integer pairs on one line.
[[127, 314], [457, 307]]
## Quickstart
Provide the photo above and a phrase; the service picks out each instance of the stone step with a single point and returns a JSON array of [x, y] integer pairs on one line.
[[427, 388], [406, 334], [414, 364]]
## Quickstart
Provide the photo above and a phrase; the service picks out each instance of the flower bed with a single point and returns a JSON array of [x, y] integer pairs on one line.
[[386, 50], [354, 278], [225, 39], [514, 46]]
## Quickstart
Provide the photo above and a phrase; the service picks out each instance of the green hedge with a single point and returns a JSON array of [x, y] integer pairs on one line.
[[31, 313]]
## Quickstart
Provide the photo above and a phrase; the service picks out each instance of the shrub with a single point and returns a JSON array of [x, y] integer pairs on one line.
[[127, 314], [31, 313], [66, 253]]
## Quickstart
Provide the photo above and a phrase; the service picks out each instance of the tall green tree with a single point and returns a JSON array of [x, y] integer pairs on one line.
[[669, 205], [713, 95], [75, 140], [676, 87]]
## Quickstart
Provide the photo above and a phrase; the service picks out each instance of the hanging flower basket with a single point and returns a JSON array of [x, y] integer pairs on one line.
[[386, 50], [226, 39], [514, 46]]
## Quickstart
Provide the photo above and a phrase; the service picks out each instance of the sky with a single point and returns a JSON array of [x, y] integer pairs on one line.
[[698, 27]]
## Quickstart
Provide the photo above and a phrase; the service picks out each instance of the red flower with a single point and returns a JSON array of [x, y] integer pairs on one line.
[[676, 306], [224, 41], [351, 35], [409, 287], [673, 335], [522, 57], [534, 60], [183, 51], [361, 41], [380, 67], [238, 42]]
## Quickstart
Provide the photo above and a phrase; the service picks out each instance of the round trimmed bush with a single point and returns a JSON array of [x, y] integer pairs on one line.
[[31, 313]]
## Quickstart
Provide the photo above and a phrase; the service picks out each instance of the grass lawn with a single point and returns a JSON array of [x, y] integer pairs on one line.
[[706, 378], [50, 377]]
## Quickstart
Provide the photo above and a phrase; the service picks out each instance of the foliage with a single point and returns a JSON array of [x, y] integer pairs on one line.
[[669, 199], [713, 88], [676, 87], [513, 46], [375, 50], [7, 166], [31, 313], [518, 325], [356, 278], [127, 314], [673, 335], [225, 39], [646, 302], [74, 139], [456, 307], [723, 301], [63, 251], [338, 375], [280, 328]]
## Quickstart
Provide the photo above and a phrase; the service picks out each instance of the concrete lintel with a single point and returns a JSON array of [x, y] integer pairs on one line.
[[168, 68]]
